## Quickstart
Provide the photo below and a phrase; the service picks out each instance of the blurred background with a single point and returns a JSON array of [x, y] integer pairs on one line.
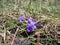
[[42, 10]]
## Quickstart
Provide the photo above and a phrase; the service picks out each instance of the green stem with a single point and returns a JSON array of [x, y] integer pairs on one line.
[[25, 31]]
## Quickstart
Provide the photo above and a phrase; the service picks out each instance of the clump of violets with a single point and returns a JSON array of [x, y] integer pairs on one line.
[[30, 23]]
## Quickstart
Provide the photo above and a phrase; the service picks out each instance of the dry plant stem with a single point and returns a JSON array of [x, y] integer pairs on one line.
[[4, 32], [14, 36]]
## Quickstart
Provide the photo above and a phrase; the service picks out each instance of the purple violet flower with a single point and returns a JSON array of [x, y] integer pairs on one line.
[[30, 24], [37, 24], [31, 21], [30, 27], [21, 17]]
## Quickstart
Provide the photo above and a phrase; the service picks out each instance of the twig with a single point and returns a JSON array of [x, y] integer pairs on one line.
[[14, 36], [4, 33]]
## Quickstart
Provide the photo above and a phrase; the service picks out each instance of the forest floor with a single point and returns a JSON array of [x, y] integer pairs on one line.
[[47, 33]]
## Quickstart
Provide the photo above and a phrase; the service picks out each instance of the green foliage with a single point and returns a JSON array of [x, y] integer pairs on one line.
[[1, 5], [11, 23]]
